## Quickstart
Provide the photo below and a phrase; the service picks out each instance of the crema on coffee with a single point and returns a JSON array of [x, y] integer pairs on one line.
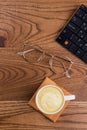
[[50, 99]]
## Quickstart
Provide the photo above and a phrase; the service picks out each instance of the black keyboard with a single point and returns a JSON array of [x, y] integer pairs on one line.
[[74, 34]]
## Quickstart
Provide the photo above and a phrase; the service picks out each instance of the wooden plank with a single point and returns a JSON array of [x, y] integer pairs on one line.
[[19, 115]]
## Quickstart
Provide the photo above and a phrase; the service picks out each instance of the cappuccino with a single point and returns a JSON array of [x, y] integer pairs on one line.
[[50, 99]]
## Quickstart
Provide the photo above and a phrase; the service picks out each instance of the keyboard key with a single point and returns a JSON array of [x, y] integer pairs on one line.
[[73, 27], [85, 47], [76, 20], [85, 17], [73, 48], [85, 39], [61, 39], [85, 58], [74, 38], [81, 34], [84, 26], [66, 32], [80, 43], [67, 44], [83, 8], [80, 13], [80, 53]]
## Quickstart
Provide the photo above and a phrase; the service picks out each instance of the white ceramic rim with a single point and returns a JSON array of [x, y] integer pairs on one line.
[[36, 99]]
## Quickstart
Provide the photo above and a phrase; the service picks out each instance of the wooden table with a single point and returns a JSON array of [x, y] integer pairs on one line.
[[37, 22]]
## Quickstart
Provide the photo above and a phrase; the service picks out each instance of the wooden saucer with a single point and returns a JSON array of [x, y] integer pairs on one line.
[[52, 117]]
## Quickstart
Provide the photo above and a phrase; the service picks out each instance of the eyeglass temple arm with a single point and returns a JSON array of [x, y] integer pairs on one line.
[[22, 53], [51, 64]]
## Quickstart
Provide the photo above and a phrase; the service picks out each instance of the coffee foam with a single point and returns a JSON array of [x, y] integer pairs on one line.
[[50, 99]]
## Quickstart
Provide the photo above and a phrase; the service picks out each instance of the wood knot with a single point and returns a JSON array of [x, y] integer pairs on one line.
[[2, 41]]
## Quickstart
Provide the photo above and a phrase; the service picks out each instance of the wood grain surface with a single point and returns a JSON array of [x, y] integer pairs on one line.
[[37, 22]]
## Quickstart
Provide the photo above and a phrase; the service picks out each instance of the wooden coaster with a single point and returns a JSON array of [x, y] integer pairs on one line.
[[52, 117]]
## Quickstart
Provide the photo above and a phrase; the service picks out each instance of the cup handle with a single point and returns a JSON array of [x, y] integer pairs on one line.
[[69, 97]]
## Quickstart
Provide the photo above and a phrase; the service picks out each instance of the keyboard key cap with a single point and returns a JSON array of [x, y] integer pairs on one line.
[[73, 27], [85, 39], [80, 53], [61, 39], [80, 13], [83, 8], [80, 43], [84, 26], [73, 48], [85, 17], [67, 44], [66, 32], [76, 20], [74, 38], [81, 34], [85, 47], [85, 58]]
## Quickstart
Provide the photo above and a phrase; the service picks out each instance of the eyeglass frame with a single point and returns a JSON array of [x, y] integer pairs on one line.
[[66, 70]]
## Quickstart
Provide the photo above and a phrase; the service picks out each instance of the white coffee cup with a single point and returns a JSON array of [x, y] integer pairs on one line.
[[50, 99]]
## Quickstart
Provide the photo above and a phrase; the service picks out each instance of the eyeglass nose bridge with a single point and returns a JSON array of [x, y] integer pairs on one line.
[[41, 57]]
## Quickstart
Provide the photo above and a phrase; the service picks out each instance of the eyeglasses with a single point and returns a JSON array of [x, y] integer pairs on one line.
[[35, 55]]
